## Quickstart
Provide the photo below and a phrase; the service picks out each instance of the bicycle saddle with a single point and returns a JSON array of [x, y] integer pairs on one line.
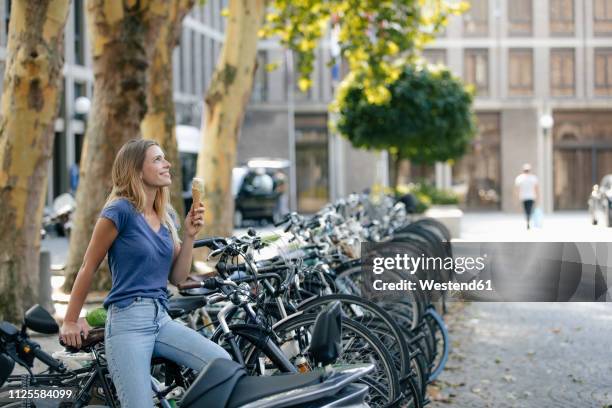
[[178, 306], [225, 384], [94, 337]]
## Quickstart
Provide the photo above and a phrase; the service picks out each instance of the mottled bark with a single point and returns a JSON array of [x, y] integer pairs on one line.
[[159, 122], [226, 102], [30, 99], [123, 35]]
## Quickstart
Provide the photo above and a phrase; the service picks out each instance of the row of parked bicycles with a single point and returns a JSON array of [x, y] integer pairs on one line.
[[290, 309]]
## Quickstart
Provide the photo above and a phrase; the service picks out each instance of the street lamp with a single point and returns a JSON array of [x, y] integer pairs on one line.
[[546, 122], [82, 105]]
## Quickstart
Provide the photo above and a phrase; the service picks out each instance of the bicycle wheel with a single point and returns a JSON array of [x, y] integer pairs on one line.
[[441, 342], [371, 316], [411, 305], [359, 345]]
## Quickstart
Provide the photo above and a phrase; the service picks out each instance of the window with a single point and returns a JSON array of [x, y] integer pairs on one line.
[[205, 64], [562, 79], [259, 93], [435, 56], [194, 68], [79, 49], [602, 17], [476, 20], [311, 161], [181, 71], [297, 92], [520, 81], [80, 89], [603, 72], [7, 18], [477, 70], [520, 17], [562, 17]]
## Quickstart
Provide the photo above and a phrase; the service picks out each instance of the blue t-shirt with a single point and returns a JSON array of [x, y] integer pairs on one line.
[[140, 259]]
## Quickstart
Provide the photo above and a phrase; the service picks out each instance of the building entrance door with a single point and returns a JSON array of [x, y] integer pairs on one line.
[[577, 168], [582, 156], [312, 162]]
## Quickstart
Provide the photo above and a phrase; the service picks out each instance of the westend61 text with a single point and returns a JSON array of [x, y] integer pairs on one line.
[[433, 285]]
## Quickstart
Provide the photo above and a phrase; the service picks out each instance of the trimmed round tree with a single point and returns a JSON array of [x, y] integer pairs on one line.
[[428, 118]]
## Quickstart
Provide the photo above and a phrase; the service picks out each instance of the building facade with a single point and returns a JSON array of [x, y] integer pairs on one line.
[[528, 59], [280, 122]]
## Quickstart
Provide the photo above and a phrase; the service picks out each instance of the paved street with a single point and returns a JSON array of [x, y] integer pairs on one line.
[[529, 354]]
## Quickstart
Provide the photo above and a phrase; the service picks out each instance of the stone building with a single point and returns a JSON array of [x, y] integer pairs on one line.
[[529, 59]]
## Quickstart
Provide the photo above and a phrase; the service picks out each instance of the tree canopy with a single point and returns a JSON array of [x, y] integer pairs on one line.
[[428, 117], [373, 35]]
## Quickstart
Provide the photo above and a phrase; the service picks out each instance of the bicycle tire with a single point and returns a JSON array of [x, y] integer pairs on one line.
[[380, 394]]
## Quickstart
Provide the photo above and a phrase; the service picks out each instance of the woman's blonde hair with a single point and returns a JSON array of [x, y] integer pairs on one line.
[[128, 184]]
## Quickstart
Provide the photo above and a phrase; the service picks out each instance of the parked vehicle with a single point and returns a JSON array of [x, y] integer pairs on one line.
[[600, 202], [258, 185], [58, 218], [258, 192]]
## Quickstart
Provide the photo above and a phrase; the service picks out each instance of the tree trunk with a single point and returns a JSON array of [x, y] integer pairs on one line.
[[159, 122], [226, 101], [396, 165], [123, 35], [30, 101]]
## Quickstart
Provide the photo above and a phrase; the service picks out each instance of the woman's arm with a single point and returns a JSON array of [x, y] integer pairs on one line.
[[104, 234], [182, 260], [183, 253]]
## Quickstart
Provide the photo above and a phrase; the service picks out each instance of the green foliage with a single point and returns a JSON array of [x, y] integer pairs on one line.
[[427, 195], [428, 118], [434, 195], [373, 35]]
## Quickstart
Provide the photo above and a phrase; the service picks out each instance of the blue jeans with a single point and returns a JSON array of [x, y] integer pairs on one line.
[[142, 330]]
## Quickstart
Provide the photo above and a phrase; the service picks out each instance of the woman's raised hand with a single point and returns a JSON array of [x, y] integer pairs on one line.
[[194, 221]]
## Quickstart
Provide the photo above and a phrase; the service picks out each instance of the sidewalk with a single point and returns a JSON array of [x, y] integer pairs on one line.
[[528, 355]]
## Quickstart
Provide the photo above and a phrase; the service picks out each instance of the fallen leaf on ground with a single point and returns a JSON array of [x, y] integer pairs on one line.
[[435, 394], [509, 378]]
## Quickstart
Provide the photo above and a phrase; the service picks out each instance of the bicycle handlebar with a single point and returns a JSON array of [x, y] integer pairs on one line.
[[212, 243], [45, 357], [210, 283]]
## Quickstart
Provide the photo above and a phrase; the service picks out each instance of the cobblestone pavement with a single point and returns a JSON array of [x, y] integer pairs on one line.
[[529, 354]]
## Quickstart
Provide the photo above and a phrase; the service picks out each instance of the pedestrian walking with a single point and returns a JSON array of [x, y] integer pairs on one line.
[[528, 190]]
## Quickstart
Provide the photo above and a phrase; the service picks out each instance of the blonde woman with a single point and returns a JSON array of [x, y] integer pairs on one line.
[[137, 228]]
